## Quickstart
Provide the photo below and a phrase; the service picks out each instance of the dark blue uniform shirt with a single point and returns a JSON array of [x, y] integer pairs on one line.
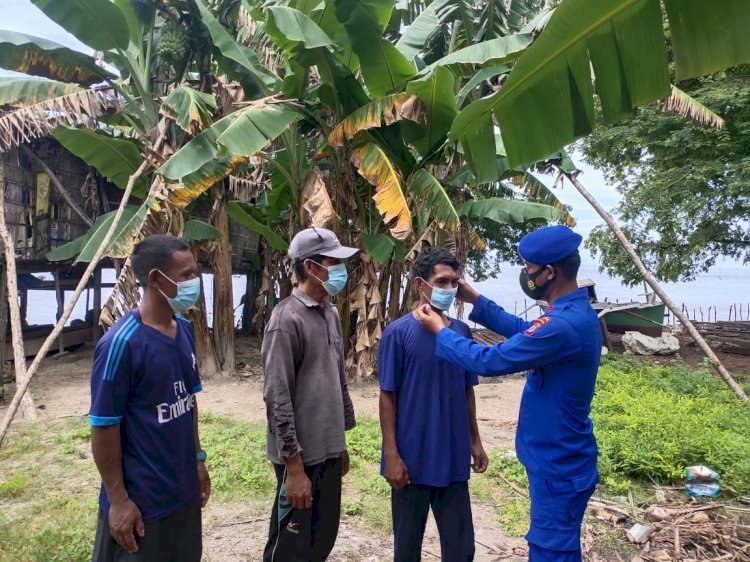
[[561, 351]]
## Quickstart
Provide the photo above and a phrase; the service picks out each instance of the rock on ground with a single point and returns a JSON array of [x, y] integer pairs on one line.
[[641, 344]]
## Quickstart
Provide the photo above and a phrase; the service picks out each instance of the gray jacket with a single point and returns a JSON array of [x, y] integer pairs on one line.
[[307, 401]]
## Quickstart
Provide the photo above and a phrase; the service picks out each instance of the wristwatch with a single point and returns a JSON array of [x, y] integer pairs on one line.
[[201, 456]]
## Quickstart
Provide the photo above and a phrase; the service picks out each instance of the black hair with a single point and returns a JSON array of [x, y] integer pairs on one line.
[[425, 262], [155, 252], [299, 266], [568, 267]]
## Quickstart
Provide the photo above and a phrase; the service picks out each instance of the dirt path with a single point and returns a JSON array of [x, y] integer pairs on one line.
[[236, 532]]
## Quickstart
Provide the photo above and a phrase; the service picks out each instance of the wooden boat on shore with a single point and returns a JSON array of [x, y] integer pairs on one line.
[[620, 317]]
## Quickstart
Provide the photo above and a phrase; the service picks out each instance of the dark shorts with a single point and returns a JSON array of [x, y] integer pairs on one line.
[[176, 538]]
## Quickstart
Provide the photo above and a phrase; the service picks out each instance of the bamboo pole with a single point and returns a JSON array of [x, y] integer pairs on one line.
[[57, 184], [651, 280], [11, 279], [23, 385]]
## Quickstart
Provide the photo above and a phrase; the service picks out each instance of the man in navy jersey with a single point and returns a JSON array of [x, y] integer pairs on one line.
[[428, 421], [144, 417]]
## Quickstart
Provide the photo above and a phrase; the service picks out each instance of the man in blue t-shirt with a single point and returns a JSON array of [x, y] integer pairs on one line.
[[144, 417], [428, 421]]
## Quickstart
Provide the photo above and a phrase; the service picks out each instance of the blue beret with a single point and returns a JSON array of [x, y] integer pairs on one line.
[[549, 244]]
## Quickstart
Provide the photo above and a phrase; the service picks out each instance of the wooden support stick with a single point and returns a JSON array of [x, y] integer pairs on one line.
[[11, 279]]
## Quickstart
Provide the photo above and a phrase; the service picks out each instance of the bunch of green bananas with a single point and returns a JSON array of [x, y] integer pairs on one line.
[[173, 44]]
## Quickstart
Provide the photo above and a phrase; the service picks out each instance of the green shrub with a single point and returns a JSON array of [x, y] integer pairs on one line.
[[15, 485], [652, 422], [364, 440]]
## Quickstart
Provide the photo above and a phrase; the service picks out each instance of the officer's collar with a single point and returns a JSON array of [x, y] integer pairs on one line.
[[572, 296]]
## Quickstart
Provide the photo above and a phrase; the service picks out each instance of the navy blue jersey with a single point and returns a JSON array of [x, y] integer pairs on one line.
[[561, 352], [432, 417], [145, 381]]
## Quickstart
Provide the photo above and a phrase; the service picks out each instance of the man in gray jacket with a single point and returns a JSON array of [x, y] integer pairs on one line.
[[307, 402]]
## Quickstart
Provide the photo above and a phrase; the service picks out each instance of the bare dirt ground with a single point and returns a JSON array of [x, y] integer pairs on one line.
[[236, 532]]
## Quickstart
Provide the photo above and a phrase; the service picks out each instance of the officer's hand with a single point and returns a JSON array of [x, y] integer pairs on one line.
[[298, 489], [125, 519], [396, 472], [481, 461], [430, 320], [466, 292]]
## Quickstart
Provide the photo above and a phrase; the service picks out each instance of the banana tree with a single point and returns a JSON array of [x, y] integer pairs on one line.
[[159, 92], [368, 154]]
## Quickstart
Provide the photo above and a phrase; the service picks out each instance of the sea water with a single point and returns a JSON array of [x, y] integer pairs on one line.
[[723, 287]]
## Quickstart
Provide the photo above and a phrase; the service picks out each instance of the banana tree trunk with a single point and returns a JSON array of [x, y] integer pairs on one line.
[[204, 349], [651, 280], [221, 263]]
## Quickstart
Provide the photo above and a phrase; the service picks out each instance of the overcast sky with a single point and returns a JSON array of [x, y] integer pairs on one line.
[[22, 16]]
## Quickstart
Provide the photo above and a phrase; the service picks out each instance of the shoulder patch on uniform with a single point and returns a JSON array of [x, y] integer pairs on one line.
[[538, 323]]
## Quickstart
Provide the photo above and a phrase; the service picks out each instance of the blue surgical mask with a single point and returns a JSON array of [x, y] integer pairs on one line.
[[337, 278], [187, 293], [442, 299]]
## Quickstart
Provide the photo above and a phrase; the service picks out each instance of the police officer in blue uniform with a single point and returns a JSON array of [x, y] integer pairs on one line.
[[560, 352]]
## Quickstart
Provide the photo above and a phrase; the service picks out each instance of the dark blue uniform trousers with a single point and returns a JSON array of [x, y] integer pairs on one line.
[[451, 507], [557, 508]]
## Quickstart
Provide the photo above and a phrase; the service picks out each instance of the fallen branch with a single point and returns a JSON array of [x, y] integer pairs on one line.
[[518, 490], [23, 385]]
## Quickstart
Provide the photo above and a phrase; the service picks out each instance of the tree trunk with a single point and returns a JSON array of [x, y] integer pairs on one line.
[[221, 263], [651, 280], [19, 355]]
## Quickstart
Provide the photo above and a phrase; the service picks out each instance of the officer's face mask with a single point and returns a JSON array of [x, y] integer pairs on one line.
[[529, 285], [187, 293], [337, 278], [442, 299]]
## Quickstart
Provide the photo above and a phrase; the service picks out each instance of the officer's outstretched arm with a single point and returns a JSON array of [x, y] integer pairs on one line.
[[544, 342], [494, 317]]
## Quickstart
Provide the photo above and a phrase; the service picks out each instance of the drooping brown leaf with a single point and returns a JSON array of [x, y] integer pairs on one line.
[[317, 202], [376, 168]]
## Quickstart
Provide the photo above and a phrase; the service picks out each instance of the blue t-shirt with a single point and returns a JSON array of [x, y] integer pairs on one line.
[[145, 381], [432, 417]]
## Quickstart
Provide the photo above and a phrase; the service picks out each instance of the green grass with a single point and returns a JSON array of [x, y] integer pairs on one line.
[[48, 504]]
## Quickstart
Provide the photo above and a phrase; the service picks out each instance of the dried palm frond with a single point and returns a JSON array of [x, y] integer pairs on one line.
[[317, 202], [36, 121], [248, 187], [687, 106]]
